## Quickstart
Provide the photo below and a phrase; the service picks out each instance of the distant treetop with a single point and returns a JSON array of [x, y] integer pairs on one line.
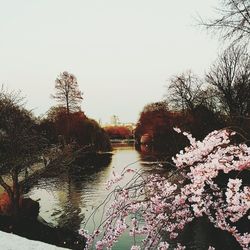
[[67, 93]]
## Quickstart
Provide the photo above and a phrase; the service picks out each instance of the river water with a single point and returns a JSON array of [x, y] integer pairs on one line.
[[68, 199]]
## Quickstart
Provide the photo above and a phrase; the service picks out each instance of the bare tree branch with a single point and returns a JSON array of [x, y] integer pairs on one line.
[[232, 21]]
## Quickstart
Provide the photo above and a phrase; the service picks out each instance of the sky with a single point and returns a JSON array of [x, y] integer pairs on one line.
[[122, 52]]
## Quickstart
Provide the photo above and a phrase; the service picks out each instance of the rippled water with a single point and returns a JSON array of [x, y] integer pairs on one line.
[[68, 200]]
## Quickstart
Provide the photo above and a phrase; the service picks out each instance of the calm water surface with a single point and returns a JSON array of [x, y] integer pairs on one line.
[[68, 199]]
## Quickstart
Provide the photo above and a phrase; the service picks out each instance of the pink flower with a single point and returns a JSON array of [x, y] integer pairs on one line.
[[165, 207], [135, 248], [163, 245], [99, 245], [177, 130]]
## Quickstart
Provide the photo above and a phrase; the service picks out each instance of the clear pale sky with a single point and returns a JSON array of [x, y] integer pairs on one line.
[[121, 51]]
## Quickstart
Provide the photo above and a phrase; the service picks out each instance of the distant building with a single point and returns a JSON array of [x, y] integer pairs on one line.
[[114, 120]]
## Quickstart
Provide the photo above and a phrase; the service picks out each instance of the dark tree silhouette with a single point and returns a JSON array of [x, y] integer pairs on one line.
[[83, 132], [230, 75], [20, 144], [67, 93], [232, 21], [155, 127], [68, 96], [185, 91]]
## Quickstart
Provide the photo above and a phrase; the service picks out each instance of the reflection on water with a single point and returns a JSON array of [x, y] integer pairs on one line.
[[69, 198]]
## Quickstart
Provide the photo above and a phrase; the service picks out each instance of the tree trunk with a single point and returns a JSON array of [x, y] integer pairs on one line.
[[16, 193], [6, 187], [67, 122]]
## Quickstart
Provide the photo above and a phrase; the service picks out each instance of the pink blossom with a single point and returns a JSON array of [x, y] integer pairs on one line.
[[165, 207], [177, 130], [135, 248], [163, 245]]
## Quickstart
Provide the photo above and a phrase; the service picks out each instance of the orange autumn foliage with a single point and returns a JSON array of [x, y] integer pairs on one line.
[[119, 132]]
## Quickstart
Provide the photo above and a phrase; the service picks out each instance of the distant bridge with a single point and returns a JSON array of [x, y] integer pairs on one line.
[[122, 141]]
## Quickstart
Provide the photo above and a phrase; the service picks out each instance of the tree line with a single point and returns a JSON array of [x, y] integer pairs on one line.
[[200, 105], [28, 142]]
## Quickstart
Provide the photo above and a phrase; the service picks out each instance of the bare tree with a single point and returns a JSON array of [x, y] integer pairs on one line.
[[68, 95], [20, 144], [209, 98], [185, 91], [232, 21], [67, 92], [156, 106], [230, 75]]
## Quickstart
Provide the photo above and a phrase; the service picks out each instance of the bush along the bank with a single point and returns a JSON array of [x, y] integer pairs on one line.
[[74, 128]]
